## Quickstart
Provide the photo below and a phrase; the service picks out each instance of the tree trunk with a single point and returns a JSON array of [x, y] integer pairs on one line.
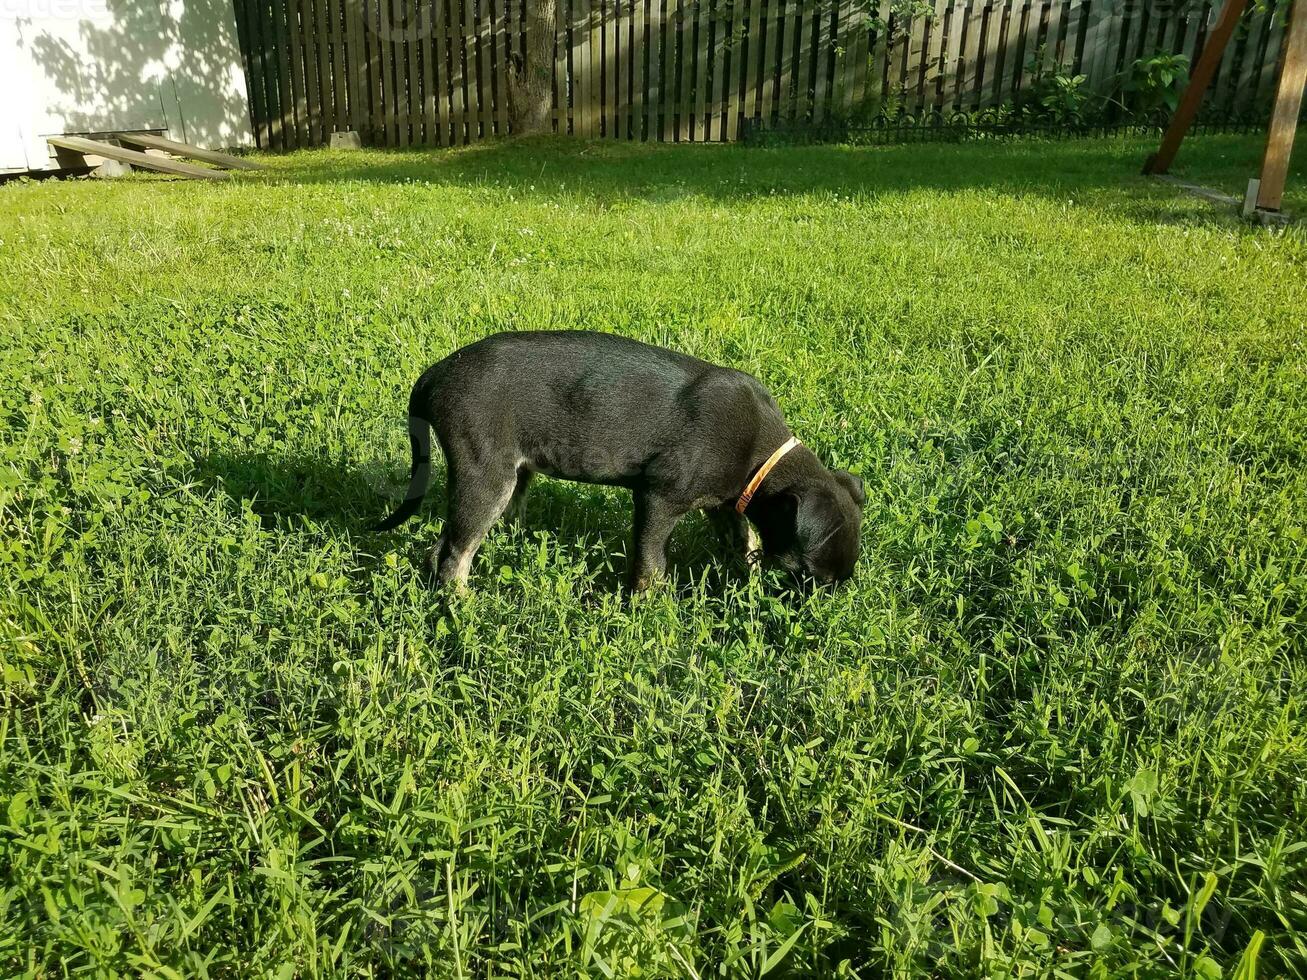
[[532, 89]]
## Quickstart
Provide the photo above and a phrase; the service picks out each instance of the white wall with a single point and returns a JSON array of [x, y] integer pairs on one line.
[[79, 66]]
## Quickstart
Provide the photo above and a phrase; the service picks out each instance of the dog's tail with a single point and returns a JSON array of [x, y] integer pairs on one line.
[[419, 437]]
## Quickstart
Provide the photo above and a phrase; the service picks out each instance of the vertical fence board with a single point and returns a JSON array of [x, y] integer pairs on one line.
[[736, 69], [485, 64], [1265, 91], [562, 44], [765, 65], [856, 69], [685, 12], [624, 65], [399, 47], [788, 59], [670, 27], [802, 106], [699, 61], [470, 69], [722, 33], [639, 67], [947, 16], [820, 50], [1052, 45], [973, 71], [288, 19], [309, 101]]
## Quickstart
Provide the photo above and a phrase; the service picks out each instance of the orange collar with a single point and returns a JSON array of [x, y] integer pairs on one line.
[[763, 470]]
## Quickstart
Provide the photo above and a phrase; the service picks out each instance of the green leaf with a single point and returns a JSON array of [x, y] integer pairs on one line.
[[1247, 968]]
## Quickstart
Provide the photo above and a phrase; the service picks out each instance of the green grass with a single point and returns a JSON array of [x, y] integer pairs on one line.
[[1055, 724]]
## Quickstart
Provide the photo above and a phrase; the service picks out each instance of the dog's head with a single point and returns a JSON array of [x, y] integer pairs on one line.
[[814, 531]]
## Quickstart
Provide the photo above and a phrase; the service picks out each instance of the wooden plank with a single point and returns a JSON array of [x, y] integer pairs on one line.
[[991, 64], [625, 40], [1212, 53], [723, 38], [485, 66], [321, 50], [577, 77], [612, 56], [1222, 91], [424, 45], [187, 150], [1189, 35], [310, 95], [1271, 58], [1284, 117], [702, 36], [639, 68], [974, 55], [918, 50], [802, 105], [1250, 65], [472, 93], [459, 75], [372, 45], [1033, 26], [840, 42], [271, 56], [665, 43], [562, 50], [581, 67], [334, 12], [285, 92], [660, 80], [247, 20], [932, 53], [952, 64], [749, 56], [596, 67], [295, 38], [871, 69], [354, 65], [686, 11], [438, 50], [821, 45], [1052, 38], [399, 56], [767, 66], [787, 52], [501, 47], [652, 94], [147, 161]]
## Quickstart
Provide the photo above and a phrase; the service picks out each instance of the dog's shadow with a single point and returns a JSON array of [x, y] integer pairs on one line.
[[593, 522]]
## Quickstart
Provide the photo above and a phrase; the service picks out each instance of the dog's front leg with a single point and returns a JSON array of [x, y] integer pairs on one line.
[[655, 517]]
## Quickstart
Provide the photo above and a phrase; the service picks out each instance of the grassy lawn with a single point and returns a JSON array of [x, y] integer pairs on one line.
[[1055, 724]]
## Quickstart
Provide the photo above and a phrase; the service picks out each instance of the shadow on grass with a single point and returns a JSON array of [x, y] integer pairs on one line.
[[1079, 170], [590, 521]]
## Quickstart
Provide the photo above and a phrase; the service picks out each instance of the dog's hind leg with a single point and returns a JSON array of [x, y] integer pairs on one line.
[[477, 498]]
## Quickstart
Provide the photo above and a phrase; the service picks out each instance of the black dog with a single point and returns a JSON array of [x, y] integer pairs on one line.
[[680, 433]]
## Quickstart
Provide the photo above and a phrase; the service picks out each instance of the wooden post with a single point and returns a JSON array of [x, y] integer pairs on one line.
[[1288, 103], [1160, 162]]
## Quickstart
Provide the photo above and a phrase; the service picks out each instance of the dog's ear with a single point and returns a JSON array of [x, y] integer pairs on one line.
[[853, 484]]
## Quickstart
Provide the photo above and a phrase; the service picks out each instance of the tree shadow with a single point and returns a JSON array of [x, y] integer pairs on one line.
[[662, 173], [123, 65], [593, 522]]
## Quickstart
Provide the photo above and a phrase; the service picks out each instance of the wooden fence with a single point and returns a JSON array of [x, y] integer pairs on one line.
[[404, 72]]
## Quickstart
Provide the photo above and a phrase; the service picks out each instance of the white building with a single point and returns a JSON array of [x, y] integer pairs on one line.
[[171, 67]]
